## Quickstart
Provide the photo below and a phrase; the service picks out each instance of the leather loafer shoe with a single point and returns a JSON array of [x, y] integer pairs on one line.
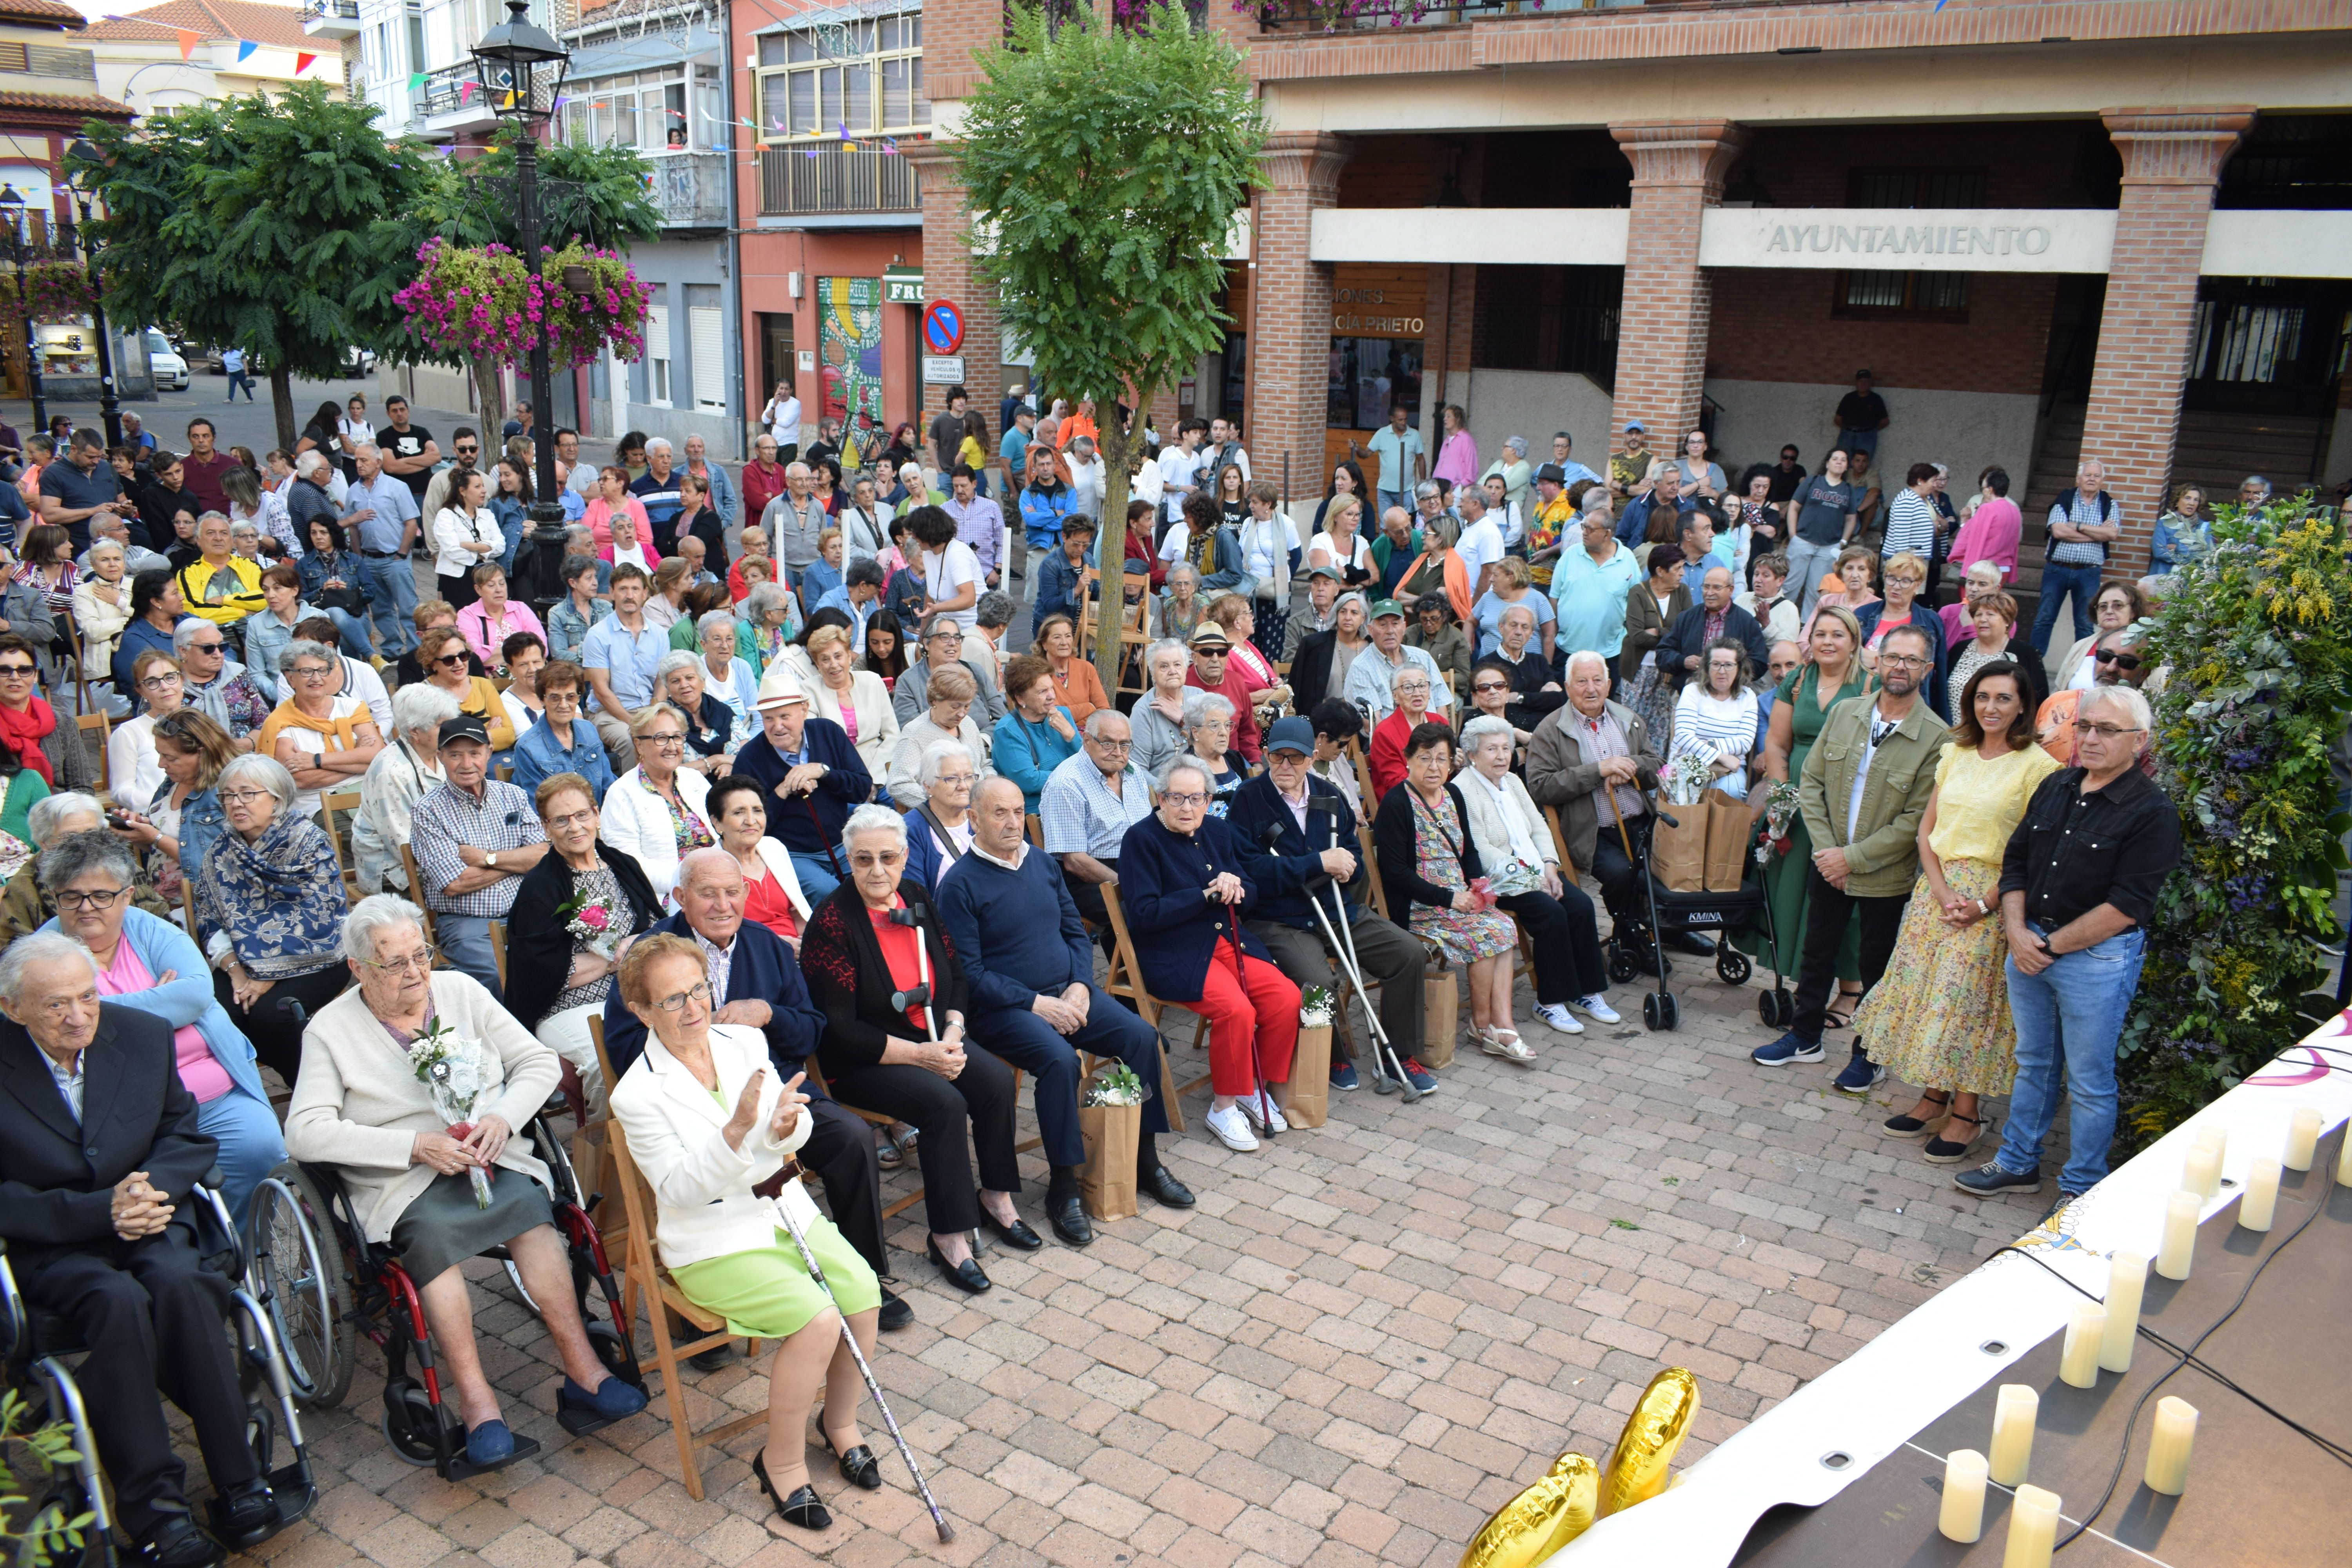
[[965, 1276], [1069, 1217], [1691, 942], [176, 1543], [1160, 1183], [716, 1359], [1015, 1235], [895, 1313]]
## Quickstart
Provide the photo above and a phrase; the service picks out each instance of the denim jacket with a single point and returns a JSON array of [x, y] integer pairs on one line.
[[567, 629], [2177, 539]]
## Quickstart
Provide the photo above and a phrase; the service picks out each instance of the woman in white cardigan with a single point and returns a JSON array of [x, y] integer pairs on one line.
[[658, 811], [708, 1122], [853, 698], [360, 1106], [1522, 861]]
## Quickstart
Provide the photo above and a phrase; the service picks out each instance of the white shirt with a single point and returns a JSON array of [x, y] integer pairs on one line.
[[1177, 467], [1480, 546], [360, 431], [1862, 770], [1362, 557], [634, 555], [1087, 486], [945, 572], [784, 421], [451, 528], [1257, 546], [518, 717]]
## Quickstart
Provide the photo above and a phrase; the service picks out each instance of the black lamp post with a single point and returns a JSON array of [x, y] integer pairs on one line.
[[12, 213], [521, 68], [84, 161]]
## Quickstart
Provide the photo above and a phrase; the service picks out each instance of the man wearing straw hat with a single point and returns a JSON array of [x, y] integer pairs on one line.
[[811, 770]]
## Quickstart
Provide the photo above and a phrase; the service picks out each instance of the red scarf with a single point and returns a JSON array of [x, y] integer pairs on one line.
[[25, 731]]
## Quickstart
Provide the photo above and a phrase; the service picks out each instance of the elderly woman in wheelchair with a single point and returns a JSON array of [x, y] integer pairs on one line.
[[428, 1158], [100, 1150]]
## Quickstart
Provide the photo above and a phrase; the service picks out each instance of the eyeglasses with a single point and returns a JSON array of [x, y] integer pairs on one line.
[[576, 819], [1905, 578], [240, 796], [1903, 661], [1110, 745], [662, 739], [947, 636], [701, 993], [2105, 731], [467, 451], [206, 646], [414, 964], [1482, 688], [69, 900], [313, 672], [157, 682], [1181, 798], [2105, 656], [955, 779]]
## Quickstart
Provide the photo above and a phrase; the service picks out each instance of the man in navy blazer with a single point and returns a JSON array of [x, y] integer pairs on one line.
[[813, 776], [1034, 1002], [755, 980]]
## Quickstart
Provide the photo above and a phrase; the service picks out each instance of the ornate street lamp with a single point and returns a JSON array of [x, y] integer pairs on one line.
[[82, 164], [12, 213], [521, 68]]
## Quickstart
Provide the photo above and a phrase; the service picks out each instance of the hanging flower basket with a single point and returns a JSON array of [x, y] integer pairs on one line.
[[58, 291], [483, 304]]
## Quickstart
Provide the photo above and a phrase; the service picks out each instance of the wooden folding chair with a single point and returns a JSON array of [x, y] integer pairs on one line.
[[1124, 979], [416, 892], [1036, 830], [104, 726], [499, 952], [875, 1119], [1360, 754], [1134, 631], [347, 802]]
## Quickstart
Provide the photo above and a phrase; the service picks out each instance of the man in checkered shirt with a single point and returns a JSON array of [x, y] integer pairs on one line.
[[473, 836]]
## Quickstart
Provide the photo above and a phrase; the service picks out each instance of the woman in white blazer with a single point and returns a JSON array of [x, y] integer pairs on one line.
[[707, 1121], [659, 810], [853, 698], [360, 1106]]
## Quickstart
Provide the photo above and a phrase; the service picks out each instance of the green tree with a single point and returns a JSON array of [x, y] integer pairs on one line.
[[280, 226], [1110, 162]]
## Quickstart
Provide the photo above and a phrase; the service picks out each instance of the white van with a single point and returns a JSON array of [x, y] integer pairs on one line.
[[165, 363]]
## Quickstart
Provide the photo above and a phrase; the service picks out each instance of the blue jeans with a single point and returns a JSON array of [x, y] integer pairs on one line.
[[237, 378], [250, 1145], [1808, 563], [1857, 441], [815, 873], [2079, 586], [465, 942], [394, 582], [2073, 1012], [354, 629], [1387, 499]]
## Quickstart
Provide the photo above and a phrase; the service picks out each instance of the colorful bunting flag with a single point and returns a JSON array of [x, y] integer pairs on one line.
[[464, 91], [245, 47], [415, 79], [188, 42], [303, 63]]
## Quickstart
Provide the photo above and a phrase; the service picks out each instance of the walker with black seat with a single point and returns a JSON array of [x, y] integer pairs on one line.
[[1671, 913]]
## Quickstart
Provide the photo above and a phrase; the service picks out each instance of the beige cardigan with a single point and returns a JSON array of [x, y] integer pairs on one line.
[[358, 1107], [877, 722]]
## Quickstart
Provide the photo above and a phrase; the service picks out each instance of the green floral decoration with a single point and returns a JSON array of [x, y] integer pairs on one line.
[[2256, 643], [59, 291]]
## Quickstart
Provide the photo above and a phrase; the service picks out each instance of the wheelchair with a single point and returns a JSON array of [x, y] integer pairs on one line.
[[38, 1344], [1666, 912], [326, 1303]]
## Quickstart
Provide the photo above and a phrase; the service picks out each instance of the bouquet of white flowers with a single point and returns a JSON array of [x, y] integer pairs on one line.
[[1315, 1007], [454, 1071], [594, 923], [1113, 1084], [1686, 779]]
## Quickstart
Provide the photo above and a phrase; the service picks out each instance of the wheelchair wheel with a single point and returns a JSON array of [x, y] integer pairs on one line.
[[412, 1421], [1731, 965], [1621, 968], [301, 1278]]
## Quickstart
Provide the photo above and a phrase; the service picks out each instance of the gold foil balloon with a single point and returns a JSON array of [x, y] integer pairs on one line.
[[1637, 1468], [1541, 1519]]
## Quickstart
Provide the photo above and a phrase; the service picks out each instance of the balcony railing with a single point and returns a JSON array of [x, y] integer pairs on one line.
[[451, 89], [1368, 16], [331, 19], [829, 178], [691, 189]]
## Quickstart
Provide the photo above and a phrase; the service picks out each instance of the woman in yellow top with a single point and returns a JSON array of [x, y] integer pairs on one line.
[[1940, 1018], [324, 738], [221, 585], [442, 653]]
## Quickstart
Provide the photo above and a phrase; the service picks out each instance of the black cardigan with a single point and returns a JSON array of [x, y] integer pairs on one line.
[[849, 979], [539, 950], [1398, 844]]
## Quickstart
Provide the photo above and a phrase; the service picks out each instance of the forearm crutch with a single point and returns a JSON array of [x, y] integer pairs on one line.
[[873, 1386], [1388, 1067]]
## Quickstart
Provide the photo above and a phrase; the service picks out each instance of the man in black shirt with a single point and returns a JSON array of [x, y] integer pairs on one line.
[[2078, 886], [947, 429], [409, 452], [1786, 476], [1861, 415]]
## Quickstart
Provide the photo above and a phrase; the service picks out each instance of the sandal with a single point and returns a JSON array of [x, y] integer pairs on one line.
[[1909, 1126], [1832, 1019], [1951, 1152]]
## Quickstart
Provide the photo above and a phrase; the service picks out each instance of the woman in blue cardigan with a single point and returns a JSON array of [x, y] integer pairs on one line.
[[1036, 734], [151, 966], [1182, 884]]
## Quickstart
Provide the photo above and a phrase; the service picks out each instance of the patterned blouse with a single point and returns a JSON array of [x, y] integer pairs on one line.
[[277, 903], [691, 831]]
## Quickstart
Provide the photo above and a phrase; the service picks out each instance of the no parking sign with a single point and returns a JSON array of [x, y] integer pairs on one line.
[[943, 327]]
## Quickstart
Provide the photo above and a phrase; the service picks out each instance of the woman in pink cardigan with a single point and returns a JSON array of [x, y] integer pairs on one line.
[[1457, 457], [1993, 530]]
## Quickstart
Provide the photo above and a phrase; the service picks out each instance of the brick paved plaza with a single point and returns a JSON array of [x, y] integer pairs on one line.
[[1363, 1340]]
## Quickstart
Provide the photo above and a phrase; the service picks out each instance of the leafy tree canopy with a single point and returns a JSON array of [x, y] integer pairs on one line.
[[597, 194]]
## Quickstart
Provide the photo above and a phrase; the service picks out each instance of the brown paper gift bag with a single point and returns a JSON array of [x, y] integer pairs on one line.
[[1730, 831], [1678, 854], [1441, 1013], [1107, 1181], [1305, 1100]]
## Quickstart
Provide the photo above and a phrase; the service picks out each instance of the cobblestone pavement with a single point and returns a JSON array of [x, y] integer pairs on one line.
[[1363, 1340]]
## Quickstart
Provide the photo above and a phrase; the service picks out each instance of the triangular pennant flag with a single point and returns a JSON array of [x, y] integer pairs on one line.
[[245, 47], [508, 101], [464, 91], [415, 79], [302, 63], [188, 42]]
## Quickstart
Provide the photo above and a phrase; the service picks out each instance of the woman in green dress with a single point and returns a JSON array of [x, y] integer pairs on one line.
[[1832, 672]]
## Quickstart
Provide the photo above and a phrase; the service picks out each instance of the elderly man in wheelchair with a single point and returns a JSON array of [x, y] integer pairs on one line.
[[428, 1158], [100, 1161]]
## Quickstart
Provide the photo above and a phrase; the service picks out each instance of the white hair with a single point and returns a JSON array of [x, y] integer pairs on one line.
[[712, 620], [2127, 698], [658, 444], [309, 463], [48, 812], [873, 818], [108, 546], [1201, 707], [1406, 671], [678, 659], [1481, 727], [422, 706], [266, 770], [1586, 655], [37, 947], [376, 912], [1185, 762], [935, 760], [187, 631]]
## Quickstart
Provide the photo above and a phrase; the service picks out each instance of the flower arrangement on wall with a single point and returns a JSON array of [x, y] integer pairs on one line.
[[58, 291]]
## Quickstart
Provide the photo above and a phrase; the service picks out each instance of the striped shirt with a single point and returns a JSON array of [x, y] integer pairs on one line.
[[1910, 526], [445, 818], [1707, 727]]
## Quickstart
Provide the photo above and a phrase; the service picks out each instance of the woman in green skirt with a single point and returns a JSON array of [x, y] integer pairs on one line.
[[1832, 672]]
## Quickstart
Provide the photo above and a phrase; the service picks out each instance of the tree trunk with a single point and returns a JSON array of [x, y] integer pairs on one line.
[[490, 391], [281, 404], [1118, 446]]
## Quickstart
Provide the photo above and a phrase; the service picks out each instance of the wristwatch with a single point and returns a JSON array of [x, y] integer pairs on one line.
[[492, 861], [1983, 908]]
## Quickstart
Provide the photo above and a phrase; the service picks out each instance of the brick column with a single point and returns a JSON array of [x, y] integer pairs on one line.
[[948, 275], [2171, 160], [1679, 169], [1290, 301]]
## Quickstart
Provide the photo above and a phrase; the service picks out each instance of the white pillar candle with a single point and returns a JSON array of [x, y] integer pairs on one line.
[[2260, 1199], [2214, 1138], [2032, 1528], [1962, 1518], [2301, 1138], [2168, 1456], [2014, 1409], [2127, 1279], [2201, 1172], [2172, 1260], [2078, 1367]]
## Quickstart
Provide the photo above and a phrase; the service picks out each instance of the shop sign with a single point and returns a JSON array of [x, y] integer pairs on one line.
[[1358, 313], [1877, 239], [943, 370], [902, 285]]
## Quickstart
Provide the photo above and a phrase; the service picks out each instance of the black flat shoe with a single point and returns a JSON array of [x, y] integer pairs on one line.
[[1069, 1220], [965, 1276], [716, 1359], [1160, 1184], [1016, 1234], [245, 1516], [1692, 942], [176, 1543], [804, 1508], [859, 1467], [895, 1313]]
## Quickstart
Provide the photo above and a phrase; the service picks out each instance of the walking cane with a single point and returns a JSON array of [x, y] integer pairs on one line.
[[808, 801]]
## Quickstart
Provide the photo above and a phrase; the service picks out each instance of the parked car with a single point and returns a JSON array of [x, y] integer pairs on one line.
[[358, 361], [165, 361]]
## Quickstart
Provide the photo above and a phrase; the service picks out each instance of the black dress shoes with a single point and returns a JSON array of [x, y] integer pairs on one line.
[[804, 1508], [965, 1276], [895, 1313], [1015, 1235], [176, 1543], [245, 1516], [1160, 1183], [1691, 942], [1068, 1216], [859, 1467]]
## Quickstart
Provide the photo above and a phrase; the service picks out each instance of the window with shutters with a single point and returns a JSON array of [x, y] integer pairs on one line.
[[710, 346], [843, 80], [658, 360], [1899, 295]]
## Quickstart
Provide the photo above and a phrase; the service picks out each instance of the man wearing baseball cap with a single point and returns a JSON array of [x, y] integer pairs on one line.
[[813, 775], [1371, 680], [1292, 829], [473, 836], [1214, 670], [1630, 465]]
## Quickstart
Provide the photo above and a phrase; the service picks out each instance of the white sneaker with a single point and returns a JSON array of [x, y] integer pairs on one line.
[[1232, 1128], [1556, 1015], [1596, 1007], [1250, 1108], [1506, 1044]]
